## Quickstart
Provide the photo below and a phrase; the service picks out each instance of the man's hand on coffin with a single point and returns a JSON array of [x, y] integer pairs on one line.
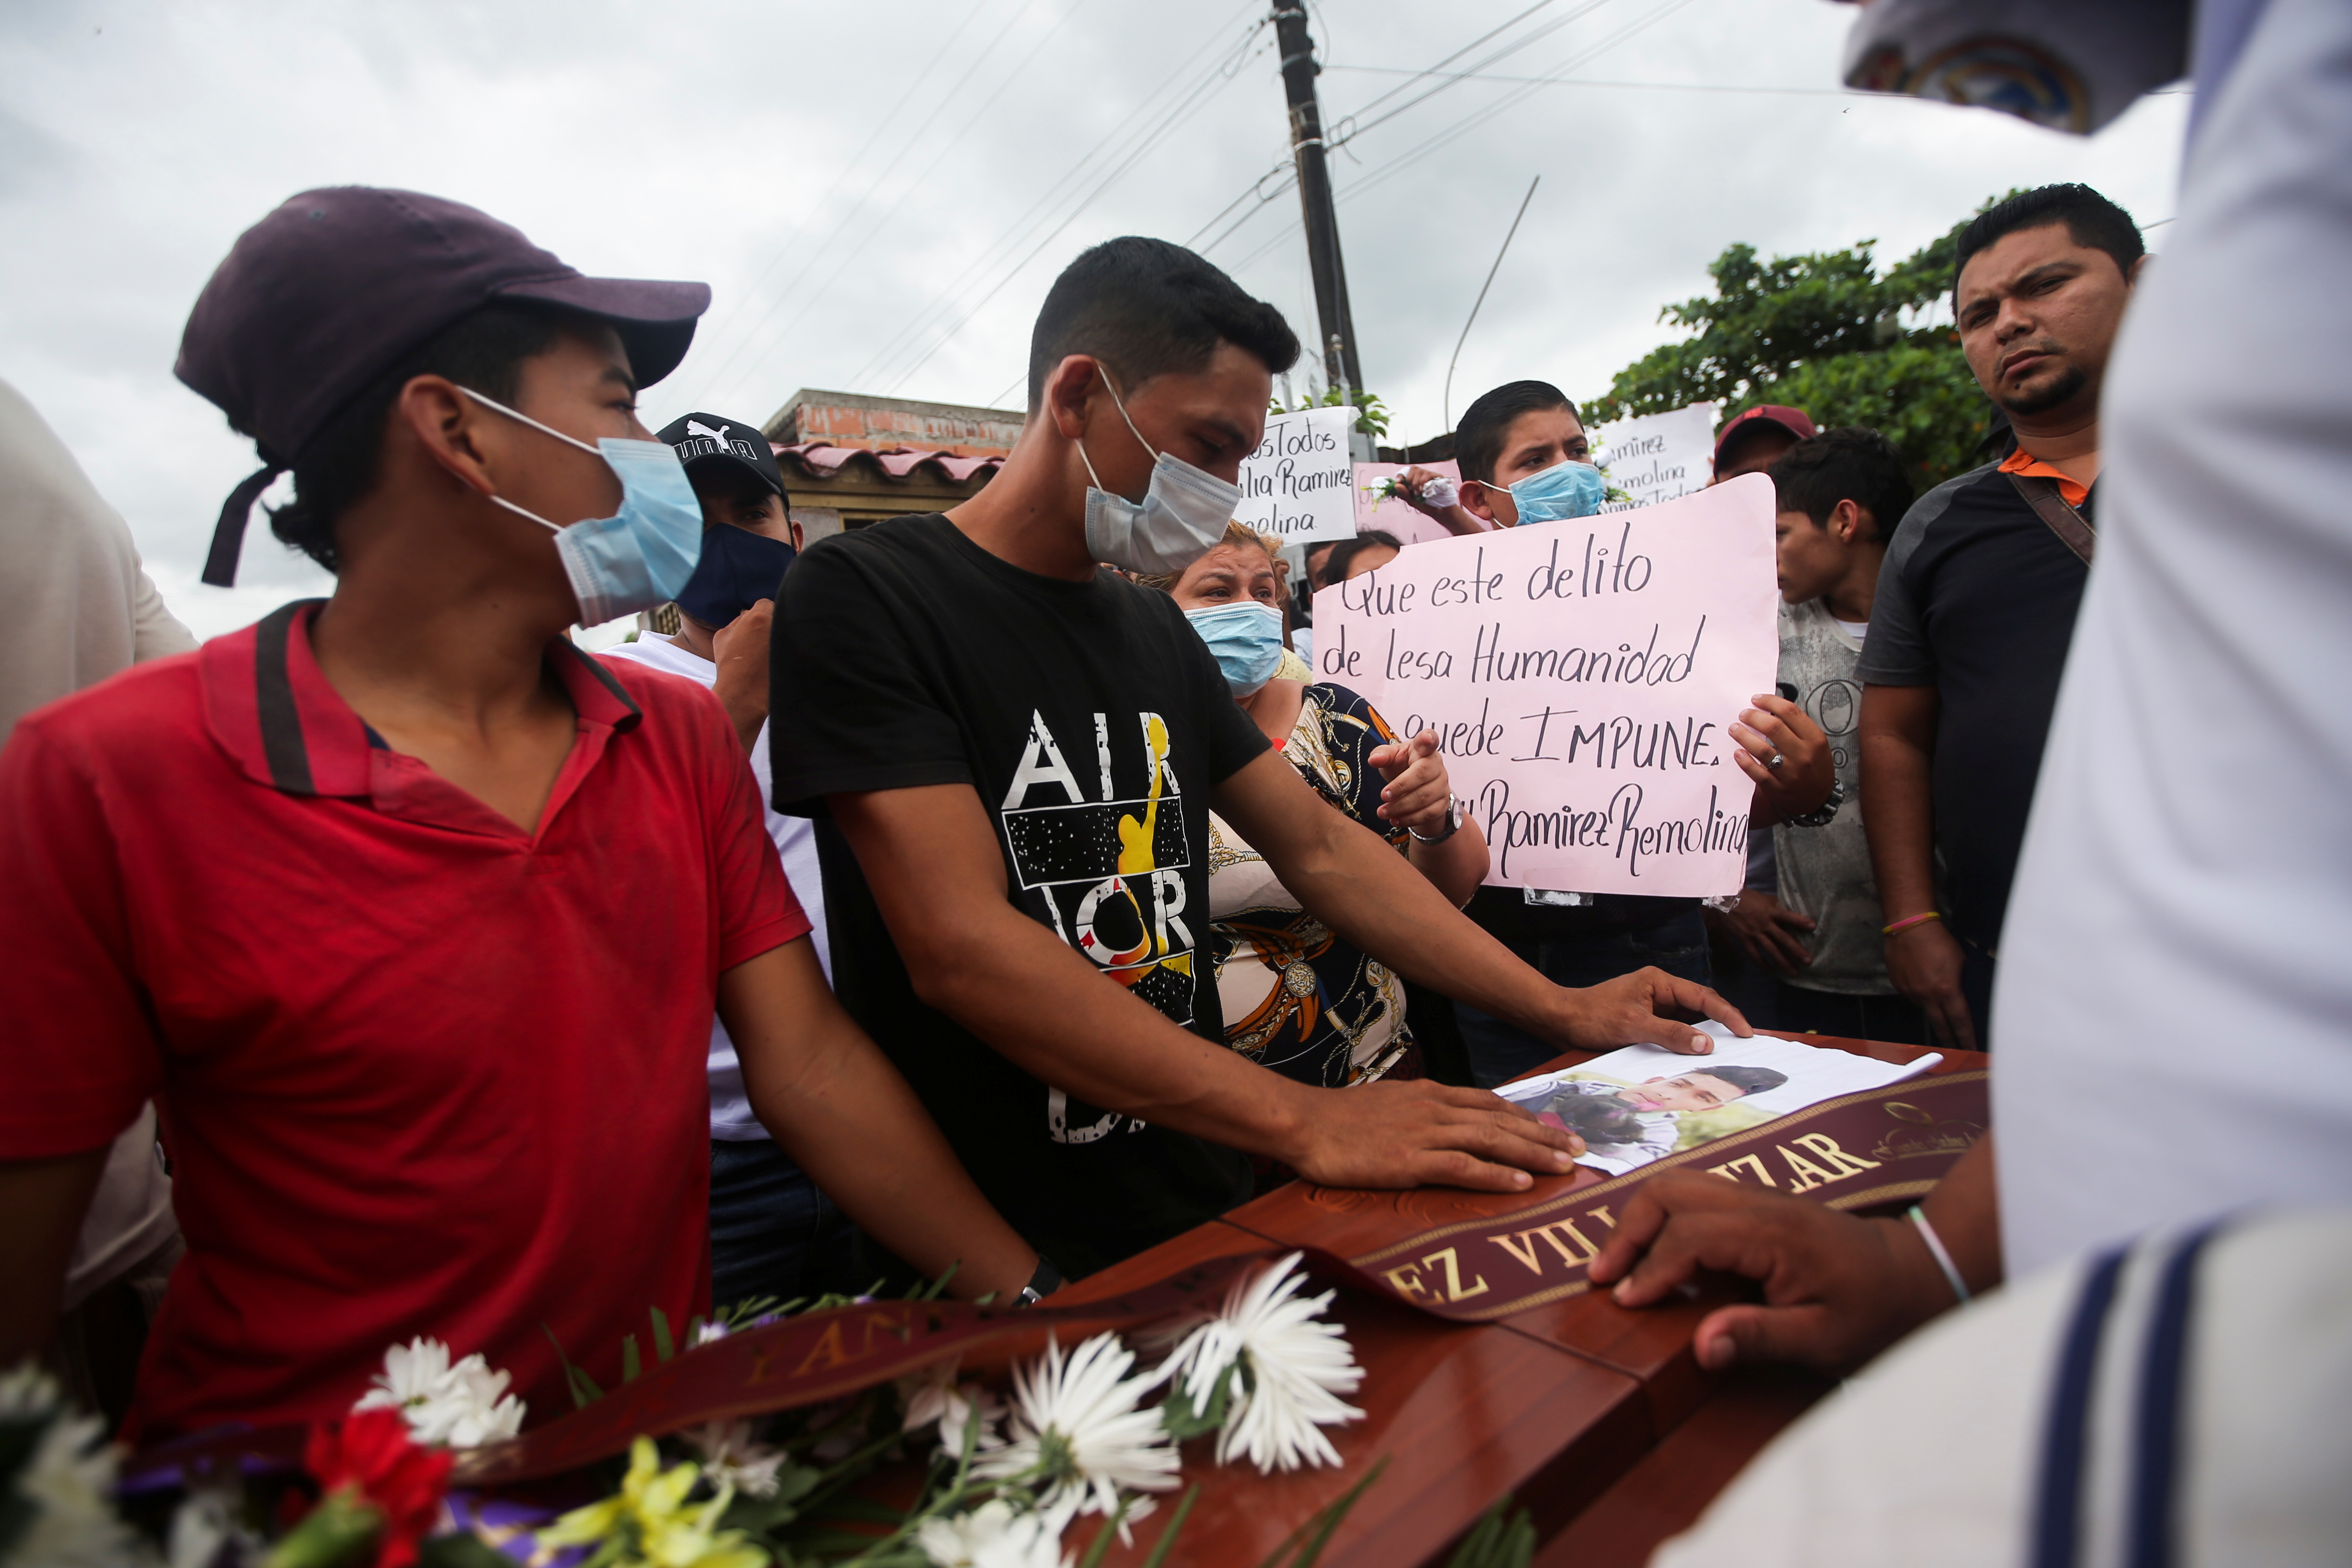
[[1647, 1007], [1426, 1133], [1837, 1290]]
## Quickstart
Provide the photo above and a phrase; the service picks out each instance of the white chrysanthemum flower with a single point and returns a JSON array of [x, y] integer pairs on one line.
[[68, 1480], [1076, 1433], [936, 1399], [458, 1407], [709, 1335], [993, 1536], [730, 1459], [1293, 1368]]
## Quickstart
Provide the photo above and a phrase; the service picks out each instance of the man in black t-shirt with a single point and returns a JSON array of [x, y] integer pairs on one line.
[[1015, 753], [1975, 602]]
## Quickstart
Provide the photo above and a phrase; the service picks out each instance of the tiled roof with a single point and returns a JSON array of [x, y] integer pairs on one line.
[[823, 459]]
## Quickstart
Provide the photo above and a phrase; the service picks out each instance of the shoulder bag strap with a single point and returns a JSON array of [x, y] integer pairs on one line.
[[2073, 530]]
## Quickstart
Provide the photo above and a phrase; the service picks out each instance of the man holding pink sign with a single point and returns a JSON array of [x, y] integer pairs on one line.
[[1526, 462]]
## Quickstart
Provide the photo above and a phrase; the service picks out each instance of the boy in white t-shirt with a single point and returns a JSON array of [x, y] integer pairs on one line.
[[1841, 493], [772, 1233]]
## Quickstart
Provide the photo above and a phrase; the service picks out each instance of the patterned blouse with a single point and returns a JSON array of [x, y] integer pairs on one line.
[[1297, 997]]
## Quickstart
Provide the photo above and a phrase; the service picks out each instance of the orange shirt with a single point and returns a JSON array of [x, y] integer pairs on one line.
[[2024, 462]]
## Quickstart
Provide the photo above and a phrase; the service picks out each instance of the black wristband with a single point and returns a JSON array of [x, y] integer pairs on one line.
[[1041, 1284]]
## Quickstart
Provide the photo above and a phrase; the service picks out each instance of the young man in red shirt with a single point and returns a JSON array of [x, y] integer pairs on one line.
[[411, 918]]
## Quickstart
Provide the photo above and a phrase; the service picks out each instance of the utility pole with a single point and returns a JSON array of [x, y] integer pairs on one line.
[[1298, 73]]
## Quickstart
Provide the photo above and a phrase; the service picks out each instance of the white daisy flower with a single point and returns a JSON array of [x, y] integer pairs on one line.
[[458, 1406], [993, 1536], [68, 1479], [709, 1333], [730, 1459], [1076, 1431], [936, 1399], [1292, 1369]]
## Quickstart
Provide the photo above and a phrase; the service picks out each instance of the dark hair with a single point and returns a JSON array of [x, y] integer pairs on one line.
[[1849, 463], [1335, 565], [1747, 1080], [485, 351], [1145, 307], [1486, 423], [2093, 222]]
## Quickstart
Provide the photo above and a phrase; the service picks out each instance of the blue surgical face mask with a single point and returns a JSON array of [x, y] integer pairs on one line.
[[1245, 638], [640, 556], [1181, 516], [1559, 492]]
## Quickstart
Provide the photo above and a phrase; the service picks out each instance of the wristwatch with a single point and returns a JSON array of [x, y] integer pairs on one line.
[[1453, 824], [1829, 809]]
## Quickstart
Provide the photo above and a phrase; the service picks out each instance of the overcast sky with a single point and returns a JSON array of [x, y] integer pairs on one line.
[[879, 195]]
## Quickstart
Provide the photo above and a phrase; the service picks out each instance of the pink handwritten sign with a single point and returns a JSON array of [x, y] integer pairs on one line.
[[1582, 677]]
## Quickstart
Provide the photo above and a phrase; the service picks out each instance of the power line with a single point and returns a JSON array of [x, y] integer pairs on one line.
[[1197, 100], [1645, 86], [1464, 126], [952, 143], [1344, 129], [1023, 226], [1348, 130], [1445, 404], [737, 341]]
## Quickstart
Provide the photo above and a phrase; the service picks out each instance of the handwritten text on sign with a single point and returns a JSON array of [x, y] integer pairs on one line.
[[1656, 457], [1300, 483], [1582, 678]]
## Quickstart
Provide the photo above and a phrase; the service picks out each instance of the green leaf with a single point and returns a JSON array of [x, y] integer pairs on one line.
[[663, 1348], [1105, 1536], [1319, 1530], [1168, 1536], [1183, 1422], [629, 1367], [1499, 1540], [462, 1551], [583, 1388]]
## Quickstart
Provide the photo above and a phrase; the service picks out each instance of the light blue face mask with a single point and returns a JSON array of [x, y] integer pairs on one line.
[[641, 555], [1559, 492], [1181, 516], [1246, 640]]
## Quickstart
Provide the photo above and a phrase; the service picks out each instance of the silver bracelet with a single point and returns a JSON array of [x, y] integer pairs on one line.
[[1943, 1259]]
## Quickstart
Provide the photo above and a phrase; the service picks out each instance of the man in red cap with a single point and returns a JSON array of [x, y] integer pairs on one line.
[[1753, 439], [410, 917]]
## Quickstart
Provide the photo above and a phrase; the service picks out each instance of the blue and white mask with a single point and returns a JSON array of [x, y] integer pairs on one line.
[[1245, 639], [1181, 516], [1564, 491], [640, 556]]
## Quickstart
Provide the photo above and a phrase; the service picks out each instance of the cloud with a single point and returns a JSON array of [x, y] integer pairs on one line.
[[852, 186]]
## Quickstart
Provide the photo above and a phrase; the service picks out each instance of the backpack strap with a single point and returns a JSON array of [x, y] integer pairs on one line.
[[2072, 528]]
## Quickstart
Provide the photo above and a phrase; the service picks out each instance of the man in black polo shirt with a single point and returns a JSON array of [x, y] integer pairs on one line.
[[1976, 604], [1013, 755]]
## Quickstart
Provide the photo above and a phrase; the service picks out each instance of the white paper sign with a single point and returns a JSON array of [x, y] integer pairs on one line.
[[1300, 483], [1657, 457], [1582, 678]]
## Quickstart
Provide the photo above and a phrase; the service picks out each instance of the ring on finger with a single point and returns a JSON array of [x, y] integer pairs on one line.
[[1774, 762]]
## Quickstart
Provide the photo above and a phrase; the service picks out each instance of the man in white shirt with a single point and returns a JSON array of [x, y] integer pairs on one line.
[[772, 1233], [2180, 904]]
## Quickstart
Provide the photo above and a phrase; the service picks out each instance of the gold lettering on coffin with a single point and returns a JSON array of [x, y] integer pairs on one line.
[[1406, 1279], [1559, 1234], [1804, 1174]]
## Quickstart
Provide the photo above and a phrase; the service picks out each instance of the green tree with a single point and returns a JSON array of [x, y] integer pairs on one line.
[[1824, 332]]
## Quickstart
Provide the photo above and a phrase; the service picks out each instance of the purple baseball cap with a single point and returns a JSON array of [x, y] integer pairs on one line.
[[324, 295]]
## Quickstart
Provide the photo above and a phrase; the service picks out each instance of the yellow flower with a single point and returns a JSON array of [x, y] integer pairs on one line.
[[663, 1530]]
